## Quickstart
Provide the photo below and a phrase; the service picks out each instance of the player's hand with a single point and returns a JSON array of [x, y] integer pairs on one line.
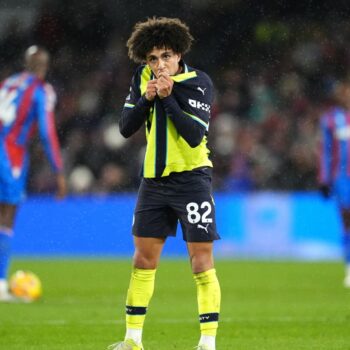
[[325, 190], [61, 190], [151, 90], [164, 85]]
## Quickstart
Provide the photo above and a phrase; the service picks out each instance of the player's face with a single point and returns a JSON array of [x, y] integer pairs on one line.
[[163, 61]]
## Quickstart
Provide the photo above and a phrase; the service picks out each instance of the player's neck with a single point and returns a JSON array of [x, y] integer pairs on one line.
[[180, 70], [39, 74]]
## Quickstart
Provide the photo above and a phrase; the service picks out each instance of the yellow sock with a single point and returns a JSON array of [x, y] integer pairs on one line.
[[139, 294], [209, 298]]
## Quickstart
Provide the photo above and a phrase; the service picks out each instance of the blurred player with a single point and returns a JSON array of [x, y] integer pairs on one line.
[[26, 103], [335, 162], [173, 101]]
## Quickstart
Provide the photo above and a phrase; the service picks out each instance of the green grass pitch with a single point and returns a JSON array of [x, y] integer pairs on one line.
[[265, 305]]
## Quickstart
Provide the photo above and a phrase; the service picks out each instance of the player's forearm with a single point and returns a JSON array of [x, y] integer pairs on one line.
[[53, 152], [50, 142], [133, 118], [188, 128], [54, 156]]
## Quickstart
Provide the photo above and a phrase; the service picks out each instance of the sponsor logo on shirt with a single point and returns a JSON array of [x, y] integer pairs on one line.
[[199, 105]]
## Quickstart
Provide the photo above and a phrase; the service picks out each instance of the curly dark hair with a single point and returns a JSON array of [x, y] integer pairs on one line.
[[158, 32]]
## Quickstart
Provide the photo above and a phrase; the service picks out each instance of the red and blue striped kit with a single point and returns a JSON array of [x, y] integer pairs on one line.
[[335, 149], [26, 104]]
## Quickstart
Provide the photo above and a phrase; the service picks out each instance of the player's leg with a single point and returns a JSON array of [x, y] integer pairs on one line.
[[208, 291], [11, 193], [153, 222], [346, 244], [7, 217], [140, 291], [195, 208], [145, 262]]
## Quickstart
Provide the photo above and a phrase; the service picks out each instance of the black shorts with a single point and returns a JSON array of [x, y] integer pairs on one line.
[[186, 197]]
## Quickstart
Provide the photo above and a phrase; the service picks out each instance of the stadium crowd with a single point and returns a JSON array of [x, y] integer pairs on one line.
[[272, 76]]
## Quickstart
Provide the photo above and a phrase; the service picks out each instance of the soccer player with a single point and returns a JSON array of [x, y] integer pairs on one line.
[[173, 100], [26, 103], [334, 174]]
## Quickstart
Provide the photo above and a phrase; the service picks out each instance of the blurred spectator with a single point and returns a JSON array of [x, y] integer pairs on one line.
[[81, 180]]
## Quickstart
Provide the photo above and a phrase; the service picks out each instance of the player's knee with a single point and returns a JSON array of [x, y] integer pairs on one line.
[[142, 261], [201, 263]]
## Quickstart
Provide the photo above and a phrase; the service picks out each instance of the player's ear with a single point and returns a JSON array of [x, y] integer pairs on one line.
[[178, 57]]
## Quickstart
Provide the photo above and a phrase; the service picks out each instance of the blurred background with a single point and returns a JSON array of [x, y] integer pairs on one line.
[[273, 65]]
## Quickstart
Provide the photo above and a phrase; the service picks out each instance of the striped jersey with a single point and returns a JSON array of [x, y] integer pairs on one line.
[[335, 145], [26, 104], [185, 112]]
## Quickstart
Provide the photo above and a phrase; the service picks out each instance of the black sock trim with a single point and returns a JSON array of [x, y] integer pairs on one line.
[[135, 310], [212, 317]]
